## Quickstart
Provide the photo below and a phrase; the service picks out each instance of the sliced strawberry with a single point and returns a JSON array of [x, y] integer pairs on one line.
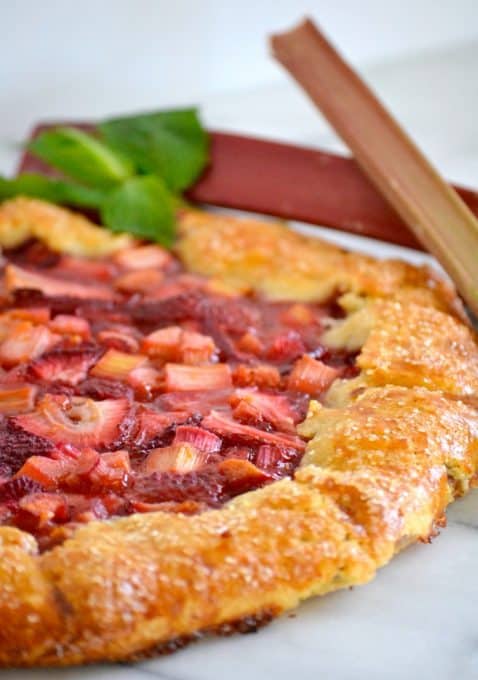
[[85, 269], [152, 426], [200, 439], [140, 281], [78, 420], [286, 347], [17, 487], [45, 507], [69, 366], [143, 257], [17, 278], [201, 486], [226, 427], [26, 342], [17, 398], [241, 475], [251, 406], [16, 446], [146, 381], [261, 375], [117, 365], [178, 458], [194, 402], [185, 378], [122, 338], [69, 325], [311, 376], [102, 388], [163, 343]]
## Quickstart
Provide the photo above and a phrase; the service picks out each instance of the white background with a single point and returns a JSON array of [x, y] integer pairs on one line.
[[94, 57]]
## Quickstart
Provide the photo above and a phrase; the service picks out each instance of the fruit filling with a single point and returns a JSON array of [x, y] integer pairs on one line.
[[128, 385]]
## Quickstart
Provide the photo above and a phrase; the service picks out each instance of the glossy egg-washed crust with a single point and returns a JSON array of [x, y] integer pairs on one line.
[[388, 451]]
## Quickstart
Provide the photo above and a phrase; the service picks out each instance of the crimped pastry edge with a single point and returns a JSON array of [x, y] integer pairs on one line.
[[60, 608]]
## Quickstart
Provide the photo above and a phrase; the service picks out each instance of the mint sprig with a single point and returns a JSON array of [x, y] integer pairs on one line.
[[132, 171]]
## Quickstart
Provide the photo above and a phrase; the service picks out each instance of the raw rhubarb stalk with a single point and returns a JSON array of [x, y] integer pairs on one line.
[[431, 208]]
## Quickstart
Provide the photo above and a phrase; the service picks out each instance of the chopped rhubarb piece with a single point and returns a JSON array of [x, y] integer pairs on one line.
[[196, 348], [241, 475], [143, 257], [163, 343], [145, 380], [200, 439], [46, 471], [112, 471], [250, 343], [298, 314], [240, 452], [182, 378], [69, 366], [275, 460], [45, 507], [286, 347], [78, 420], [26, 342], [178, 458], [40, 315], [117, 365], [261, 375], [67, 324], [151, 425], [17, 398], [17, 278], [141, 281], [251, 406], [311, 376], [226, 427]]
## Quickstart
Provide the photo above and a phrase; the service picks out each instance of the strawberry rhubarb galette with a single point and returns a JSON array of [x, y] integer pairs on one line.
[[195, 440]]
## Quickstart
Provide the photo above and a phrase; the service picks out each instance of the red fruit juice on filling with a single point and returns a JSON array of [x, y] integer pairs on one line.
[[199, 402]]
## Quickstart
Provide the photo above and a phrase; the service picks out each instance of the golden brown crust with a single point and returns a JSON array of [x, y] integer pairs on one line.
[[378, 474]]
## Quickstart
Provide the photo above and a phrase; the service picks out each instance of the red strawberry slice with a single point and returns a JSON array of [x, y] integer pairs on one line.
[[251, 406], [186, 378], [69, 366], [17, 278], [151, 425], [286, 347], [84, 269], [226, 427], [200, 439], [194, 401], [311, 376], [78, 420], [242, 476]]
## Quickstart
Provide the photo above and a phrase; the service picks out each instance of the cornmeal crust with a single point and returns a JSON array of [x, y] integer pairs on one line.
[[388, 451]]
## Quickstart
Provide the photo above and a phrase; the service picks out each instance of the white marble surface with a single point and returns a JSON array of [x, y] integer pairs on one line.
[[418, 618]]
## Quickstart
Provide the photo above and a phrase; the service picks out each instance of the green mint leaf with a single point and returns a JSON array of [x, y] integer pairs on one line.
[[82, 157], [55, 191], [141, 206], [171, 144]]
